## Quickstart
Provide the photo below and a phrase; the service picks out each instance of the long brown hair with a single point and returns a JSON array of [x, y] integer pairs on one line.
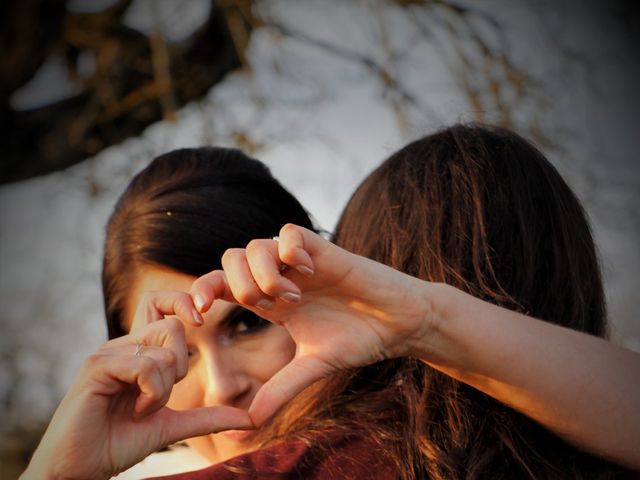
[[481, 209]]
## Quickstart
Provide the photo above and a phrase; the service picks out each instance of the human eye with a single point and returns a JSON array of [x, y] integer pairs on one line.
[[246, 322]]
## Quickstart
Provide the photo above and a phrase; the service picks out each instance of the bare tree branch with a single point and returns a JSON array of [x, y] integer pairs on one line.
[[137, 80]]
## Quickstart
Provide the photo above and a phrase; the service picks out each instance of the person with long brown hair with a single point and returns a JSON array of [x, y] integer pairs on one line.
[[479, 209], [431, 351], [172, 224]]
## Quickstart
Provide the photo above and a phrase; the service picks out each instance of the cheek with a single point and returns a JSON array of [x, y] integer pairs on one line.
[[276, 349], [187, 393]]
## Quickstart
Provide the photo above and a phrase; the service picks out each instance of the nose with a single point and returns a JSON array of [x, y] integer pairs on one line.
[[226, 383]]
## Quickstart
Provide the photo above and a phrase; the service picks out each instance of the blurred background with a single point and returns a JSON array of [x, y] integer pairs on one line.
[[321, 90]]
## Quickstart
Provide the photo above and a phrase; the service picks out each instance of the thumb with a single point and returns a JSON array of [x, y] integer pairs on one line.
[[285, 385], [179, 425]]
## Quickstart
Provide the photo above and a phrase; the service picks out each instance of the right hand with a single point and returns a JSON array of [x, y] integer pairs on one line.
[[115, 413], [341, 309]]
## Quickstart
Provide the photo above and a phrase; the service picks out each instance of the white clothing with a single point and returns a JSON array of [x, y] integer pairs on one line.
[[177, 459]]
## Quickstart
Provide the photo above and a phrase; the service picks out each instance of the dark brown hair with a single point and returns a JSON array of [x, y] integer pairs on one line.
[[481, 209], [183, 211]]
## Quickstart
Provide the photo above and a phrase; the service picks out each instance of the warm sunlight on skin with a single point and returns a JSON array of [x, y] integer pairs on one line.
[[231, 356]]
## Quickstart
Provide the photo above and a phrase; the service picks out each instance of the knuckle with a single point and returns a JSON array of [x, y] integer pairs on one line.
[[181, 298], [93, 361], [289, 256], [230, 254], [269, 285], [173, 325], [246, 296], [253, 245], [154, 395], [170, 358], [288, 228], [146, 366]]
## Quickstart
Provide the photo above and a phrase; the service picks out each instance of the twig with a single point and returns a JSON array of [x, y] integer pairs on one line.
[[350, 55]]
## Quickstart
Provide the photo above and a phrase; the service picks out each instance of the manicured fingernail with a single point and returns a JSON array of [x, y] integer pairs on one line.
[[198, 301], [304, 270], [265, 304], [197, 317], [290, 297]]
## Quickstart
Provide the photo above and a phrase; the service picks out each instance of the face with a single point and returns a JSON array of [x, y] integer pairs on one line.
[[230, 357]]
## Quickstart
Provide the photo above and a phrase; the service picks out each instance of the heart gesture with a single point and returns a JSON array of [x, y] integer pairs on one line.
[[341, 309]]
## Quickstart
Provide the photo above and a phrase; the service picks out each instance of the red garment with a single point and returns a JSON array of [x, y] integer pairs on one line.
[[330, 458]]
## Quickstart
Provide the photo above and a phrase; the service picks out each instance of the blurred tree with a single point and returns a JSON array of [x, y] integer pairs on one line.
[[136, 79]]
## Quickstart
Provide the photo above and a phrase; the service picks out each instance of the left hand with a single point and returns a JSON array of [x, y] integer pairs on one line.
[[115, 413]]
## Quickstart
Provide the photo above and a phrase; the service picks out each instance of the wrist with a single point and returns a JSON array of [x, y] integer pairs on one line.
[[443, 343], [432, 314], [42, 466]]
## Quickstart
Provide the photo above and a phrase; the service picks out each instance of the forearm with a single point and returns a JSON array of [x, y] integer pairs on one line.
[[42, 468], [581, 387], [51, 461]]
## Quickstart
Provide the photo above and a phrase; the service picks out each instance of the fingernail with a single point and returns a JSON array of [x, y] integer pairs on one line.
[[304, 270], [197, 317], [265, 304], [290, 297], [198, 301]]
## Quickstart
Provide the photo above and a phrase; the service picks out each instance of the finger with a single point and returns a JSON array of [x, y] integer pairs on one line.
[[183, 424], [165, 361], [156, 305], [241, 282], [207, 288], [154, 391], [167, 333], [284, 385], [295, 245], [164, 357], [112, 374], [266, 269]]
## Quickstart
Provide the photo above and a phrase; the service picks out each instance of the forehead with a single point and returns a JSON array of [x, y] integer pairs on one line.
[[151, 278], [147, 278]]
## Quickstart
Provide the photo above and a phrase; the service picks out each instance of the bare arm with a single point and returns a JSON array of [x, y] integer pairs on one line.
[[583, 388], [348, 311]]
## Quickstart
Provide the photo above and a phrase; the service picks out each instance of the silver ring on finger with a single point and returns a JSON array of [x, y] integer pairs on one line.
[[138, 352]]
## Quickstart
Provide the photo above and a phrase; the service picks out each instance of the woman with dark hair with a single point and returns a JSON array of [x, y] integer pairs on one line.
[[407, 367], [172, 224]]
